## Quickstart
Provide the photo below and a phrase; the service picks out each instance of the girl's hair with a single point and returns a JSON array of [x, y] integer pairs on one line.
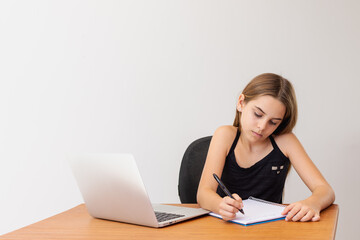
[[270, 84]]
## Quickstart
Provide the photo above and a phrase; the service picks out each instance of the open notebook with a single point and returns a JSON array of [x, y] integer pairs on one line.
[[257, 211]]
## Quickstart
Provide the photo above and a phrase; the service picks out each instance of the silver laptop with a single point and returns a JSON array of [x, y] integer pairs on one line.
[[112, 189]]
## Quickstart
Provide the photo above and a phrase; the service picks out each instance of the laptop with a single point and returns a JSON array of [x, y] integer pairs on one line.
[[112, 189]]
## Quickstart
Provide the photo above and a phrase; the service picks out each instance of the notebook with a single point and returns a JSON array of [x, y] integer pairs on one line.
[[112, 189], [257, 211]]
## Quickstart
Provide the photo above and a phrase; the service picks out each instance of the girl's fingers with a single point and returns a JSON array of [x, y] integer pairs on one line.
[[298, 212], [316, 217], [287, 209], [239, 200], [226, 205], [308, 216], [226, 215], [235, 204], [292, 212], [228, 208]]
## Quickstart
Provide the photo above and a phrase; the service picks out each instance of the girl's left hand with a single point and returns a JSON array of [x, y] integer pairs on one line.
[[302, 211]]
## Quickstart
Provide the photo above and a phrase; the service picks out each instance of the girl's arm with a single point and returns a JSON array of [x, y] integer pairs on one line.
[[215, 160], [322, 193]]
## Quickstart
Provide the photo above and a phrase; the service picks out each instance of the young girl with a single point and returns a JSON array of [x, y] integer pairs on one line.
[[253, 156]]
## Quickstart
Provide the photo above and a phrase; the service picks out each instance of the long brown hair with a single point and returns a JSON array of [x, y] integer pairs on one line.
[[270, 84]]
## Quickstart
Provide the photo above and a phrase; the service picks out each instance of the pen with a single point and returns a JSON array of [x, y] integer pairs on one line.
[[225, 190]]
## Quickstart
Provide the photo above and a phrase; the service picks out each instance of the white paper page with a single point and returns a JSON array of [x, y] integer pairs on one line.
[[257, 211]]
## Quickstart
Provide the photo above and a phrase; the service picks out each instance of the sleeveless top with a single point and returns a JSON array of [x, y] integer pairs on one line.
[[265, 179]]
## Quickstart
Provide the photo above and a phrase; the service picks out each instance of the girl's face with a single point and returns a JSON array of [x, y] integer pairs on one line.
[[260, 117]]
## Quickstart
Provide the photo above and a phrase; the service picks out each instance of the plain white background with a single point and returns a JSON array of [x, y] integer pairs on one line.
[[149, 77]]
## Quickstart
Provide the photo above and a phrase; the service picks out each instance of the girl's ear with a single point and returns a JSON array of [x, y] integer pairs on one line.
[[240, 103]]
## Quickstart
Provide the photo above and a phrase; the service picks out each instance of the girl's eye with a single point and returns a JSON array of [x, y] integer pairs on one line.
[[257, 115]]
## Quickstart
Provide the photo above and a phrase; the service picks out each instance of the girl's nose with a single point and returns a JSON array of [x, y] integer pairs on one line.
[[261, 125]]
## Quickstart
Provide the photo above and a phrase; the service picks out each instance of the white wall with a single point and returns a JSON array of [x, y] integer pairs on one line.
[[149, 77]]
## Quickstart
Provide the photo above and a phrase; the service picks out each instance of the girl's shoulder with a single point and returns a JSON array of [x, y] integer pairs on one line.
[[225, 135], [286, 142], [226, 131]]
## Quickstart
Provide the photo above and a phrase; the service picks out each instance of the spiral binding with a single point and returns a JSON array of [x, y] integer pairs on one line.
[[267, 202]]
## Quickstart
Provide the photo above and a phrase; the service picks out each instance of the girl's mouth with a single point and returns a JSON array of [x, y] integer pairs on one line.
[[257, 134]]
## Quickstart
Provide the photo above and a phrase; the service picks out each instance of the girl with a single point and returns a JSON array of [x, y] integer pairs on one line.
[[253, 156]]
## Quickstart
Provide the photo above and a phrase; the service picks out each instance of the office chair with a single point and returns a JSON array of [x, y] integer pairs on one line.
[[191, 168]]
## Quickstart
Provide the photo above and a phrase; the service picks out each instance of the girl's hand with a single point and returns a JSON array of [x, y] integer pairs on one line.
[[302, 211], [229, 207]]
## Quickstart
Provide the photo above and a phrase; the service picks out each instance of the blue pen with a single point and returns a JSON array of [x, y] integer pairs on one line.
[[225, 190]]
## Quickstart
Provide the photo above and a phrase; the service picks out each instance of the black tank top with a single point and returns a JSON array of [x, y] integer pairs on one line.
[[265, 179]]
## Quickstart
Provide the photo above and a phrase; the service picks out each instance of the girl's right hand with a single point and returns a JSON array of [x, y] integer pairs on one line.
[[229, 207]]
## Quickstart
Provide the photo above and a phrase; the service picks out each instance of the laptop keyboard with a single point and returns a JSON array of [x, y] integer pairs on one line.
[[162, 216]]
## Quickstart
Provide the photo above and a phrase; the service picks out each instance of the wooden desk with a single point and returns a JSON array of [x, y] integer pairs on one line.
[[76, 223]]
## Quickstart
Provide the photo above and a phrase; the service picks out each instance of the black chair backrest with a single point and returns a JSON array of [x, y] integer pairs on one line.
[[191, 168]]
